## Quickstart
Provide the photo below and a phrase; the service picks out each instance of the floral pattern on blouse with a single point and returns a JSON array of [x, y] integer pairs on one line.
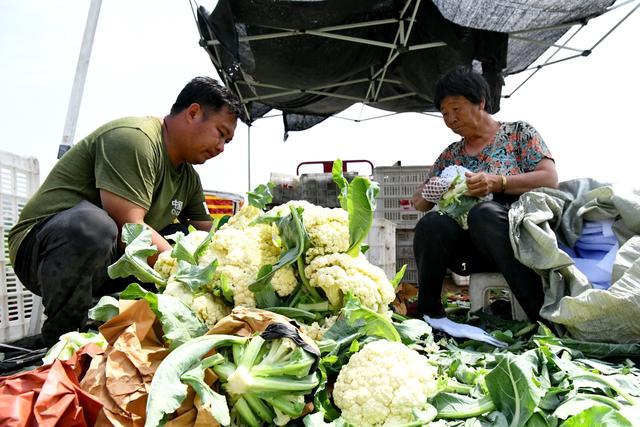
[[517, 148]]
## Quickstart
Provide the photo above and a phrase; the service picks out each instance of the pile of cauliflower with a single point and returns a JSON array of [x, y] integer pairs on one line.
[[243, 245]]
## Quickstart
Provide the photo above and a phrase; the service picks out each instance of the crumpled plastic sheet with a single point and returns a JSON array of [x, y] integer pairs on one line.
[[50, 395]]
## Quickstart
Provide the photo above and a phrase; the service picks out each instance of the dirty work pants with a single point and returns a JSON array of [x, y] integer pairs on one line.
[[440, 243], [64, 260]]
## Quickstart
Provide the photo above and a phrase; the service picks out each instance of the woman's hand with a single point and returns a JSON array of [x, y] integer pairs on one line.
[[481, 184], [419, 202]]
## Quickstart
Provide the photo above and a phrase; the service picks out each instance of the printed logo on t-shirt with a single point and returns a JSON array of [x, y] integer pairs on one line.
[[176, 207]]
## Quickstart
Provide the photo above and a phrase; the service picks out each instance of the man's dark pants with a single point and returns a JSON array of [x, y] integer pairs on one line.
[[64, 260], [440, 243]]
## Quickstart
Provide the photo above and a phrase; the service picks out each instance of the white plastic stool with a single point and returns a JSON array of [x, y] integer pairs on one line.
[[479, 286]]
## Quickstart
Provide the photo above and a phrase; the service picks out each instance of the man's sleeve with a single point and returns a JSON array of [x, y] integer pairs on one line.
[[532, 148], [126, 165]]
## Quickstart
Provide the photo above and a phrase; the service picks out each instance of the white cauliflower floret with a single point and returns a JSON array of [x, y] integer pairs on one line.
[[338, 274], [383, 383], [166, 265], [243, 218], [192, 240], [316, 330], [284, 281], [207, 307], [328, 228], [180, 291], [241, 253], [241, 250], [210, 308]]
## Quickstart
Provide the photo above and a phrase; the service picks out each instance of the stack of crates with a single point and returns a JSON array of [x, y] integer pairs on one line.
[[19, 179], [316, 188], [285, 187], [397, 185], [319, 188]]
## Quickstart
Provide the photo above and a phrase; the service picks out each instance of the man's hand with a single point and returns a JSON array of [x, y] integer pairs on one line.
[[481, 184], [123, 211]]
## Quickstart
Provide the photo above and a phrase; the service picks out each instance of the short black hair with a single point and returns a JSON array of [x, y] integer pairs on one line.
[[462, 81], [207, 92]]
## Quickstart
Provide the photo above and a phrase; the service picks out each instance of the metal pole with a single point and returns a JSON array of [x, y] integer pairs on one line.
[[249, 157], [81, 74]]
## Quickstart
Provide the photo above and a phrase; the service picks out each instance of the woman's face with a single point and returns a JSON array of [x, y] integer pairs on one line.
[[461, 115]]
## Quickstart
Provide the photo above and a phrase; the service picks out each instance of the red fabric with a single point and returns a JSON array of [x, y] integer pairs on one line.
[[49, 396]]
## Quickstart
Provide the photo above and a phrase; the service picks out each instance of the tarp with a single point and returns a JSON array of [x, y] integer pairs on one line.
[[314, 58], [542, 218]]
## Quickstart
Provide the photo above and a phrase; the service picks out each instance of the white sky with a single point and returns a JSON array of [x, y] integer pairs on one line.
[[145, 51]]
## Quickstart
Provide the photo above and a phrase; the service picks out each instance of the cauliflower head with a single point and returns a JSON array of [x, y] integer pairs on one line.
[[328, 228], [180, 291], [338, 274], [210, 308], [383, 383], [241, 250], [316, 330], [166, 265]]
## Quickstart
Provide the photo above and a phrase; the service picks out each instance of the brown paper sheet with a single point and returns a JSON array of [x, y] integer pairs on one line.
[[121, 377]]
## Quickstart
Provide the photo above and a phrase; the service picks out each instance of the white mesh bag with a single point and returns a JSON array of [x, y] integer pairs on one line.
[[438, 185]]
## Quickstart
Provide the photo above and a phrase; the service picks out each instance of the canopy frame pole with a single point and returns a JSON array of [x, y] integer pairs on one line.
[[82, 68], [393, 54], [543, 43], [624, 18], [214, 57], [290, 32], [547, 62], [581, 54], [249, 157]]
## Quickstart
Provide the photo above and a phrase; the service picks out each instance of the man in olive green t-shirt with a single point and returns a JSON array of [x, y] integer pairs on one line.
[[131, 170]]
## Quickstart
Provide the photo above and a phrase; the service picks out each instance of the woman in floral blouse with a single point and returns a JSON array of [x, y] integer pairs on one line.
[[506, 160]]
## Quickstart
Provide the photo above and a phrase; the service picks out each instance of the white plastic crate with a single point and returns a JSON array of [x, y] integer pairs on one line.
[[19, 179], [286, 187], [397, 185], [404, 254], [319, 188], [411, 273], [382, 247]]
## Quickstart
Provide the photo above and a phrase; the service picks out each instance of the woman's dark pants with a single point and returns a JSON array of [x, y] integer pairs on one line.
[[440, 243]]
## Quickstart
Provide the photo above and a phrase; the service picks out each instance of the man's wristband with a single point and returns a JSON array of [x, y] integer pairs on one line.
[[504, 183]]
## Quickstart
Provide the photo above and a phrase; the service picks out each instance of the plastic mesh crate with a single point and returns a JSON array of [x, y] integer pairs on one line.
[[319, 188], [397, 185], [411, 274], [286, 187], [404, 254], [19, 178]]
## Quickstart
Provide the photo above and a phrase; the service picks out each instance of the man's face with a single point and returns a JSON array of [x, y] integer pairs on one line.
[[209, 134], [461, 115]]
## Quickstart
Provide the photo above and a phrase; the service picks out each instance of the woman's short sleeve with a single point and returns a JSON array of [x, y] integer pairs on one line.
[[532, 147]]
